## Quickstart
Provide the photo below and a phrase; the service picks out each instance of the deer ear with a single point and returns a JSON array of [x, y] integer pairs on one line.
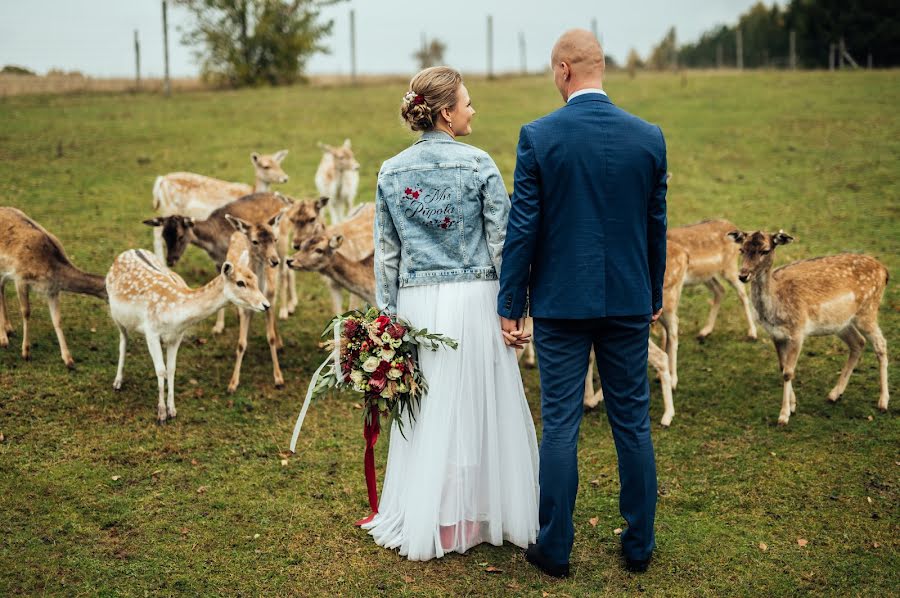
[[781, 238], [273, 222], [254, 157], [321, 202], [227, 268], [279, 156], [154, 222], [238, 224], [347, 143], [737, 236], [336, 241], [188, 221]]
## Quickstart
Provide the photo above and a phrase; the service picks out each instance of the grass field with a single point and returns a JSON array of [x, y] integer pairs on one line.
[[96, 499]]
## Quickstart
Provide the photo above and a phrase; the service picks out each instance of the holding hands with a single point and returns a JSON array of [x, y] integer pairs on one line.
[[514, 334]]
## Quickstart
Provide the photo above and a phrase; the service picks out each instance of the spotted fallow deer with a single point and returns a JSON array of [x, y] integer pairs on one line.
[[259, 217], [320, 254], [358, 244], [338, 178], [838, 294], [144, 297], [712, 256], [32, 257], [197, 196]]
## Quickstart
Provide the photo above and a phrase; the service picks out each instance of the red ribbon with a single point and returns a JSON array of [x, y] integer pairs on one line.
[[370, 432]]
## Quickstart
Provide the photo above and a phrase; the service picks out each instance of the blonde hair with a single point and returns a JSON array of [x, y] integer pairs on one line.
[[430, 91]]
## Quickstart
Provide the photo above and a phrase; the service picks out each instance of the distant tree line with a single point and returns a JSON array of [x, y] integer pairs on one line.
[[866, 27]]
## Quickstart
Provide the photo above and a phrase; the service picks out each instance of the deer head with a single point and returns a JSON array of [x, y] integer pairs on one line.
[[242, 286], [342, 156], [305, 220], [315, 254], [263, 237], [757, 251], [178, 232], [268, 167]]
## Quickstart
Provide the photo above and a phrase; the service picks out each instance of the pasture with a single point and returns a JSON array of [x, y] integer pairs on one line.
[[96, 499]]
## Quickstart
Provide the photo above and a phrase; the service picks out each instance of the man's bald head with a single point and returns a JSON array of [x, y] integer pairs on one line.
[[579, 49]]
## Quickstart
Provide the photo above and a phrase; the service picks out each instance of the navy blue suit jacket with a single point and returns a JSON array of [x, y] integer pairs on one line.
[[587, 228]]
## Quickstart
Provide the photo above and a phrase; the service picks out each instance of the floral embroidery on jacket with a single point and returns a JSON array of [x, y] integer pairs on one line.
[[434, 209]]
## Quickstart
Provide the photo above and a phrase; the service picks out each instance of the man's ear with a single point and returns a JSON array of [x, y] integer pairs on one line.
[[781, 238]]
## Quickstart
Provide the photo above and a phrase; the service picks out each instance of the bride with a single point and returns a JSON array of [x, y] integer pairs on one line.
[[464, 471]]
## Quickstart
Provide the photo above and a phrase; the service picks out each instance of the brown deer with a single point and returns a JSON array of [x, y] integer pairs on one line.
[[712, 256], [146, 298], [838, 294], [197, 196], [259, 217], [320, 254], [338, 178], [358, 244], [33, 258]]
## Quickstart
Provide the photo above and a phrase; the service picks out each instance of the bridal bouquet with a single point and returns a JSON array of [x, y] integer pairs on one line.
[[373, 354]]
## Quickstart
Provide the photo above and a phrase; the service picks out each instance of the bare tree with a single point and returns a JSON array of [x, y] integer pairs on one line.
[[430, 54]]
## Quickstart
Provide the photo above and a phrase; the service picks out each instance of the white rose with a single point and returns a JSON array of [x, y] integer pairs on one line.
[[387, 354], [394, 374], [386, 338], [396, 343], [356, 376], [371, 364]]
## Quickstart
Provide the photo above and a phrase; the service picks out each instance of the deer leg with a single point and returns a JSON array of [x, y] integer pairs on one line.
[[718, 292], [284, 281], [337, 295], [219, 326], [871, 330], [22, 290], [244, 317], [53, 304], [591, 398], [790, 354], [292, 278], [660, 362], [272, 336], [5, 326], [156, 353], [158, 247], [171, 362], [120, 369], [741, 291], [855, 342], [669, 321]]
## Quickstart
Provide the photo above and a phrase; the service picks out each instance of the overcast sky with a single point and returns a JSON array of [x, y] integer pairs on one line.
[[96, 36]]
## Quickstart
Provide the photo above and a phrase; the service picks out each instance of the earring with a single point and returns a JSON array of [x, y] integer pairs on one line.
[[450, 124]]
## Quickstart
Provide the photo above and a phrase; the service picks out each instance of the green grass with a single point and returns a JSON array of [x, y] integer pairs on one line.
[[813, 153]]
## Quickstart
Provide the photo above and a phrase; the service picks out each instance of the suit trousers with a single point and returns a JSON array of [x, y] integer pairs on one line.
[[563, 349]]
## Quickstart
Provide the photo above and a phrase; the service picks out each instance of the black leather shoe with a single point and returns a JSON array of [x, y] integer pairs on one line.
[[636, 566], [534, 556]]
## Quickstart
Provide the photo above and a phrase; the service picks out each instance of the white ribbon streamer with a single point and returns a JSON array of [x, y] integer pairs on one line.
[[336, 356]]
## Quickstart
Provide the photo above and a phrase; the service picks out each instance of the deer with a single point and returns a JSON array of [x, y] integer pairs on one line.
[[146, 297], [358, 244], [337, 177], [712, 256], [197, 196], [301, 218], [32, 257], [320, 254], [258, 217], [832, 295]]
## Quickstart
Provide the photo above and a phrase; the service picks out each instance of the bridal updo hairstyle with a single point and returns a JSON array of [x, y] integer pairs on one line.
[[430, 91]]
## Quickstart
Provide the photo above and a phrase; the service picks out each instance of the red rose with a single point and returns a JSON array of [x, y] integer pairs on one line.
[[383, 322], [378, 381], [396, 331]]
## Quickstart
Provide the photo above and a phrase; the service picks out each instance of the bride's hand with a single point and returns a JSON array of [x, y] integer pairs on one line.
[[514, 332]]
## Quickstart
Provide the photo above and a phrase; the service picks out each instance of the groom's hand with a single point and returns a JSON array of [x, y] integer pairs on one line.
[[514, 332]]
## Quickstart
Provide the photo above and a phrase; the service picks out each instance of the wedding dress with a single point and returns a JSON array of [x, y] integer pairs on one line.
[[465, 469]]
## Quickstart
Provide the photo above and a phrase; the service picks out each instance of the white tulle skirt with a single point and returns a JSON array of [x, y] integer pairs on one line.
[[467, 470]]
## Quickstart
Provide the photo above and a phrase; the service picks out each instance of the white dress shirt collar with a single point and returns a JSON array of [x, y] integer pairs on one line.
[[584, 91]]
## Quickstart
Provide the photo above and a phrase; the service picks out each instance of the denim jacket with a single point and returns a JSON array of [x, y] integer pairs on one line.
[[440, 216]]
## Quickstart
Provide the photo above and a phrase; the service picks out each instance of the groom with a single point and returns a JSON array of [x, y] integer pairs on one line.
[[587, 238]]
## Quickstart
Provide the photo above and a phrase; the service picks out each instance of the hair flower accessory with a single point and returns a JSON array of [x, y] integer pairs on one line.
[[414, 98]]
